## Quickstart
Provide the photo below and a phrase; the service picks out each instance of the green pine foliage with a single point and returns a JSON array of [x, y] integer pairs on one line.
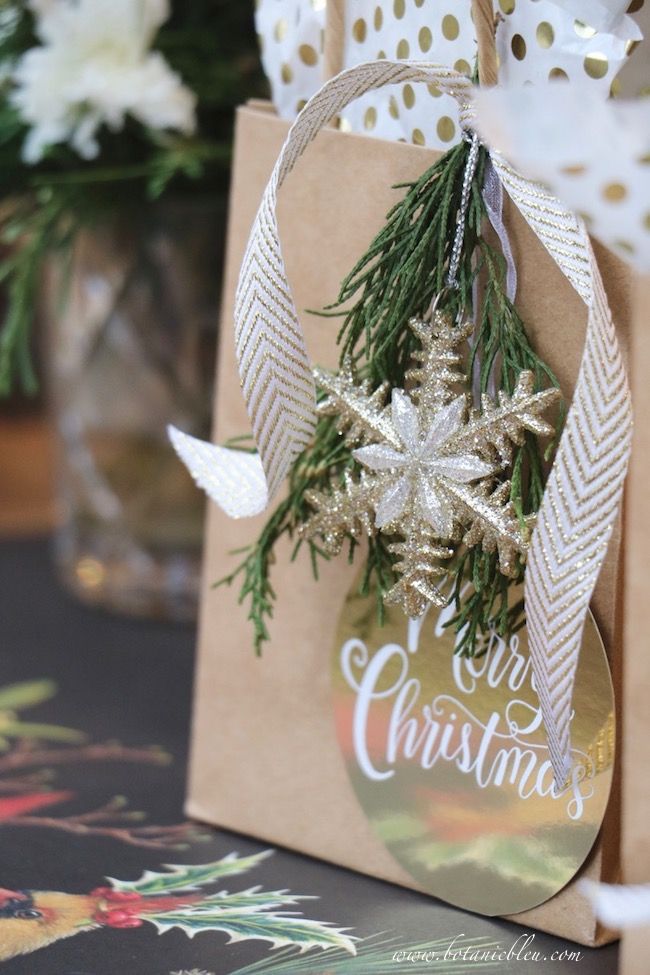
[[403, 270]]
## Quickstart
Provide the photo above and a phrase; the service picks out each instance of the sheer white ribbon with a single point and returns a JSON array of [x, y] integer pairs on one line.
[[584, 489]]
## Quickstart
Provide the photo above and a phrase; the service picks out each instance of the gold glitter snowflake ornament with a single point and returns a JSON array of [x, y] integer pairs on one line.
[[430, 470]]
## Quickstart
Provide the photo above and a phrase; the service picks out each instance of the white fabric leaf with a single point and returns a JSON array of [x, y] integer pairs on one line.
[[618, 906], [233, 478]]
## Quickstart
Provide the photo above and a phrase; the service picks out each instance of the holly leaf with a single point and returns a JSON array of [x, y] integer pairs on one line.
[[46, 732], [26, 694], [280, 929], [189, 877], [254, 899]]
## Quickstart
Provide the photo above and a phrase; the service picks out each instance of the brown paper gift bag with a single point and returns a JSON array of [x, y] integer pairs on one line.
[[265, 758], [636, 670]]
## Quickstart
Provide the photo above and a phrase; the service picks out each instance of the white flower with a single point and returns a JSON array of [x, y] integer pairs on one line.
[[425, 463], [95, 67]]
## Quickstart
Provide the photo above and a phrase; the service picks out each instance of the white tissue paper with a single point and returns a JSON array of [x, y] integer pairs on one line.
[[536, 40], [547, 133]]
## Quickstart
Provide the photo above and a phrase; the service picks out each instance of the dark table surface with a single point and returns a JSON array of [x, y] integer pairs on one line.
[[98, 793]]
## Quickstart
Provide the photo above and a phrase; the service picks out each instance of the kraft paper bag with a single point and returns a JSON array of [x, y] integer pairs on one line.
[[636, 669], [265, 756]]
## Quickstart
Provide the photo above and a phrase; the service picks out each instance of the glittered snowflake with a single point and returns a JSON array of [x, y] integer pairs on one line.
[[430, 470]]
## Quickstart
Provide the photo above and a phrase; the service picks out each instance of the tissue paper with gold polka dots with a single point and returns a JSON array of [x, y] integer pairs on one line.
[[536, 40]]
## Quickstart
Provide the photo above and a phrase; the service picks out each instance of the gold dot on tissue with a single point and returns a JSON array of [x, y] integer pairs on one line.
[[545, 34], [370, 118], [573, 170], [408, 95], [596, 64], [507, 6], [463, 67], [583, 30], [646, 221], [301, 104], [399, 7], [379, 18], [419, 3], [518, 45], [644, 160], [280, 29], [381, 55], [614, 192], [393, 107], [445, 129], [359, 30], [308, 55], [286, 73], [434, 91], [625, 245], [403, 49], [425, 39], [558, 74], [450, 28], [418, 137]]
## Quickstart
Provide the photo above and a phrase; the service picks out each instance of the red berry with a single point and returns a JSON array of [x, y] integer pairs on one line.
[[122, 896], [118, 919], [128, 922]]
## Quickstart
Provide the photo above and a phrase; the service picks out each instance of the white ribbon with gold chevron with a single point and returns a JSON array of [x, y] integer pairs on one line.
[[584, 489]]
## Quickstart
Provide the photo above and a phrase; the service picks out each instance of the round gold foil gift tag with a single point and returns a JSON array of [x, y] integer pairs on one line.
[[448, 759]]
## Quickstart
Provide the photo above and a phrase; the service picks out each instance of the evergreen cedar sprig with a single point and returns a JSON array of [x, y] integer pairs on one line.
[[211, 45], [397, 278]]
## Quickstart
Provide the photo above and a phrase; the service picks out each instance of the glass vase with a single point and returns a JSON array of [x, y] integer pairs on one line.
[[132, 329]]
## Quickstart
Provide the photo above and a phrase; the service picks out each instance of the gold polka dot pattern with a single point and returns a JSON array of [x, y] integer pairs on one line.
[[545, 34], [446, 129], [359, 30], [537, 41], [403, 50], [307, 54], [425, 39], [450, 27]]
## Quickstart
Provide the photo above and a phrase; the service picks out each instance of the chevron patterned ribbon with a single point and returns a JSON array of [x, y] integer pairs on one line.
[[583, 494]]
